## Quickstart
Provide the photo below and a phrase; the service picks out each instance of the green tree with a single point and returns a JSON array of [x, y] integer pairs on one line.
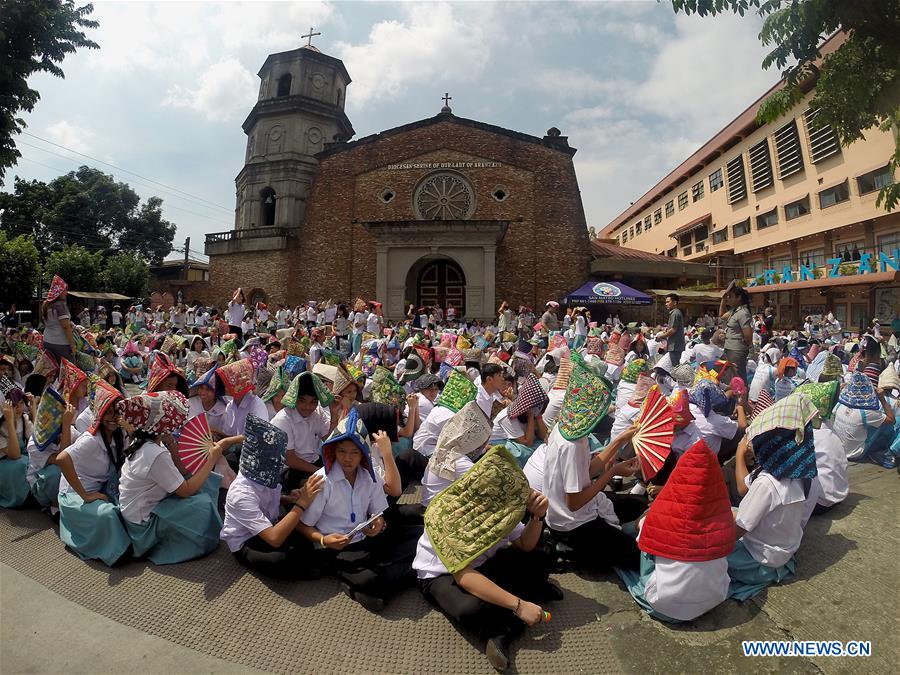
[[126, 274], [857, 86], [80, 268], [19, 262], [35, 36], [89, 208]]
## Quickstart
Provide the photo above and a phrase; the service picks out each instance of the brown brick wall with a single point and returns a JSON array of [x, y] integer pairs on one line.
[[544, 255]]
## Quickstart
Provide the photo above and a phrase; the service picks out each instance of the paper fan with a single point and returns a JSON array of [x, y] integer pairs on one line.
[[195, 442], [656, 428]]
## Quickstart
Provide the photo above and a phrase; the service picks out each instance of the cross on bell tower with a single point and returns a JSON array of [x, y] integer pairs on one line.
[[446, 99], [310, 35]]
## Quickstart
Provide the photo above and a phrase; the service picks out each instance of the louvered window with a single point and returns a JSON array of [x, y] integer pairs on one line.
[[737, 183], [787, 150], [715, 180], [823, 139], [760, 166]]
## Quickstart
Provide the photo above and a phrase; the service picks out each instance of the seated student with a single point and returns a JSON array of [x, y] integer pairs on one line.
[[685, 539], [762, 385], [458, 391], [787, 378], [487, 575], [704, 397], [74, 383], [860, 411], [165, 375], [255, 530], [208, 398], [53, 432], [163, 528], [132, 370], [274, 394], [627, 414], [778, 495], [458, 447], [305, 421], [831, 460], [494, 379], [629, 378], [520, 425], [388, 391], [371, 564], [557, 392], [238, 379], [89, 521], [381, 421], [581, 515], [15, 430], [197, 350], [427, 388]]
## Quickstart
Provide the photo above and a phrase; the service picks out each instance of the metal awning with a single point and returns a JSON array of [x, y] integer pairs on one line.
[[693, 225]]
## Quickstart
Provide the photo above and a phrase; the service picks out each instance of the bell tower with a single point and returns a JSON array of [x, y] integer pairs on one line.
[[300, 109]]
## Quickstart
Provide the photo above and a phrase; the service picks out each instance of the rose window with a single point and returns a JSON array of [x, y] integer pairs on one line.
[[444, 196]]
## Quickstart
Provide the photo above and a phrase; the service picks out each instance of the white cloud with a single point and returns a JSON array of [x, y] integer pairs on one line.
[[275, 26], [225, 90], [434, 44], [71, 136]]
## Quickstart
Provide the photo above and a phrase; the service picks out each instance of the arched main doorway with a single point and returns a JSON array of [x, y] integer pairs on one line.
[[442, 283]]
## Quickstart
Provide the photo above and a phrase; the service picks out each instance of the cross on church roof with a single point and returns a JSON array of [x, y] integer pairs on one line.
[[309, 35], [447, 98]]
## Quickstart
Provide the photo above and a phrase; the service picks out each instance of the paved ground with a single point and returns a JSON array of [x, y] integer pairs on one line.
[[59, 614]]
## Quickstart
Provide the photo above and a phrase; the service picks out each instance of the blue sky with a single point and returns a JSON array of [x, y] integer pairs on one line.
[[634, 87]]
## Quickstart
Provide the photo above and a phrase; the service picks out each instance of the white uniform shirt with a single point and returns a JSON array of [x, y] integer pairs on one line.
[[91, 463], [831, 462], [625, 417], [685, 590], [432, 483], [235, 314], [24, 429], [235, 418], [426, 437], [551, 412], [148, 477], [428, 565], [852, 426], [567, 469], [340, 507], [485, 400], [534, 468], [215, 415], [713, 428], [425, 407], [304, 434], [37, 460], [372, 322], [772, 512], [250, 508], [506, 427]]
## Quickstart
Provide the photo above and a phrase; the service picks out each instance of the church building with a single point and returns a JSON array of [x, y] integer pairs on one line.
[[444, 210]]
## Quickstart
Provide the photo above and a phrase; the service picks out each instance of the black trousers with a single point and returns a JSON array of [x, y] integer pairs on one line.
[[294, 478], [520, 573], [378, 566], [411, 465], [237, 330], [600, 545], [292, 560]]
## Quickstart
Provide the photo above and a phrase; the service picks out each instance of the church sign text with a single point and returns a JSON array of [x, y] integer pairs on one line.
[[444, 165]]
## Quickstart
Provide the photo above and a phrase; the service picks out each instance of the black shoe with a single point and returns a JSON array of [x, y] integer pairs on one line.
[[370, 602], [495, 650]]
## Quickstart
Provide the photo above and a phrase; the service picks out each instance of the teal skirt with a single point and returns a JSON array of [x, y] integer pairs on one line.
[[402, 445], [635, 581], [46, 486], [13, 486], [95, 531], [519, 451], [749, 577], [579, 342], [180, 528]]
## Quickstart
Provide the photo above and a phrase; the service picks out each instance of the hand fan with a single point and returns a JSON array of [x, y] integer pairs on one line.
[[656, 428], [195, 442]]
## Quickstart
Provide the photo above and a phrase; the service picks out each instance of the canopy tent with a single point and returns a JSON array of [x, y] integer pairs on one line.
[[607, 293]]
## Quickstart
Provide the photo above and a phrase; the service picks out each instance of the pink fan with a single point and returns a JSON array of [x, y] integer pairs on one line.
[[656, 428], [195, 442]]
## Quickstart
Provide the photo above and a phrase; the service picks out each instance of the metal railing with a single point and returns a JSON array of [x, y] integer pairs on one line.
[[250, 233]]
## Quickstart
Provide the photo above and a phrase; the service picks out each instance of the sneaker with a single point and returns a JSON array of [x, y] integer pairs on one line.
[[495, 650]]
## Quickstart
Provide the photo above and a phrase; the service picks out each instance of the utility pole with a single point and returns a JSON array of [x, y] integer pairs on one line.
[[187, 248]]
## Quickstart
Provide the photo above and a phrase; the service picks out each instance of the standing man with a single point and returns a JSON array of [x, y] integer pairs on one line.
[[675, 332], [549, 319]]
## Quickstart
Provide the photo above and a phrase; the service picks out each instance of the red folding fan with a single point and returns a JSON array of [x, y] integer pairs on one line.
[[195, 442], [656, 428]]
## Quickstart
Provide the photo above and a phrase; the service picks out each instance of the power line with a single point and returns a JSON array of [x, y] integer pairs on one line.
[[169, 205], [188, 194]]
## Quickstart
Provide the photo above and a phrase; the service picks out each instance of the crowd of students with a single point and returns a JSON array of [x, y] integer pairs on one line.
[[293, 444]]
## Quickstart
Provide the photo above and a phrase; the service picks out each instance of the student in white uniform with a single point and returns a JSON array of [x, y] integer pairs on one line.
[[492, 589], [373, 565], [208, 398], [163, 529], [255, 530], [685, 540], [53, 432], [860, 409], [494, 378], [15, 431], [457, 391], [273, 394], [704, 397], [306, 424], [238, 379], [427, 388], [779, 495], [89, 521]]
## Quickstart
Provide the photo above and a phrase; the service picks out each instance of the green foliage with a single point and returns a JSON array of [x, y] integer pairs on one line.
[[857, 86], [847, 269], [35, 36], [19, 262], [89, 208], [126, 274], [79, 267]]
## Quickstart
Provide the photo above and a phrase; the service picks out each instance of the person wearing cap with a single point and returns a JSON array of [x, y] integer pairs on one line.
[[306, 424], [162, 529], [15, 431], [371, 565], [261, 523], [427, 388], [89, 521]]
